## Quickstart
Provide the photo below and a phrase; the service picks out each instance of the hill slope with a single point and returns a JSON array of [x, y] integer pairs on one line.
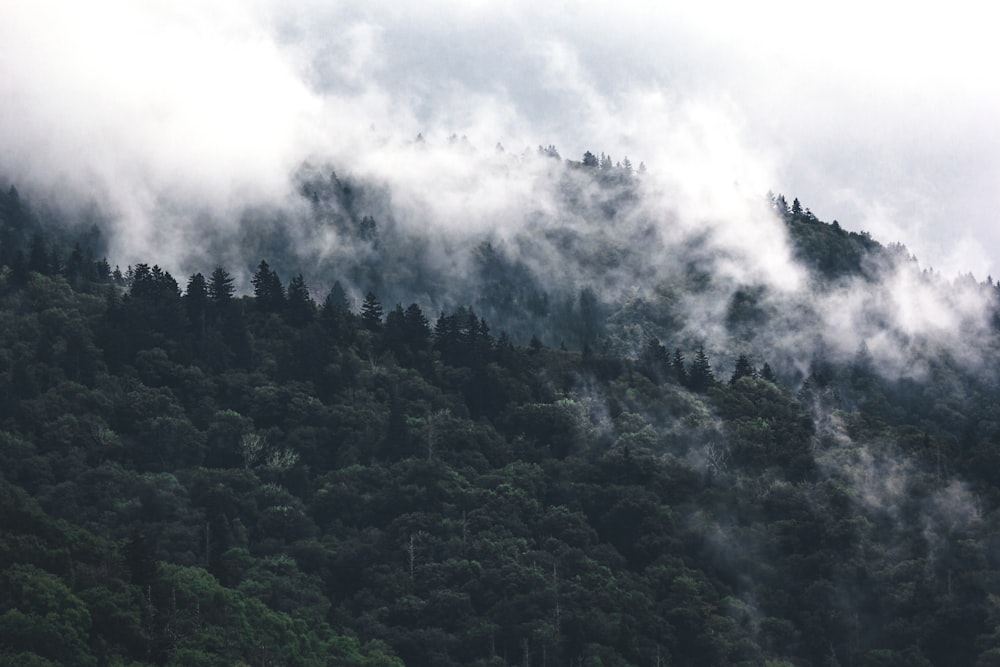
[[709, 475]]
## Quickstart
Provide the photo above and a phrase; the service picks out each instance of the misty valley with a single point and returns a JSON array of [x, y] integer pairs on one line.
[[487, 408]]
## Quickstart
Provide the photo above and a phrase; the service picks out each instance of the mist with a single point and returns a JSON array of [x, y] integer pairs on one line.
[[194, 129]]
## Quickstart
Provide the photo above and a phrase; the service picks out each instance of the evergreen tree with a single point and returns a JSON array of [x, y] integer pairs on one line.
[[743, 369], [76, 269], [416, 327], [195, 300], [590, 160], [780, 205], [371, 313], [680, 372], [700, 376], [268, 292], [336, 301], [336, 314], [656, 355], [220, 286], [300, 307], [394, 337]]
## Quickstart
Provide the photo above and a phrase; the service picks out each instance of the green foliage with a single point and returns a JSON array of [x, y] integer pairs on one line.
[[217, 479]]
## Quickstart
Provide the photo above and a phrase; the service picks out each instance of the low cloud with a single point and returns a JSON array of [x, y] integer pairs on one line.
[[184, 121]]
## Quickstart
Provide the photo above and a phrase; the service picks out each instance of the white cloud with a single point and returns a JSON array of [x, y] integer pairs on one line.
[[879, 115]]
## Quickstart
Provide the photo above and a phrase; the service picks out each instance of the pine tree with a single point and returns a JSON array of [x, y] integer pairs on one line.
[[268, 291], [195, 300], [415, 325], [656, 355], [371, 313], [700, 377], [220, 286], [300, 309], [679, 370], [743, 369]]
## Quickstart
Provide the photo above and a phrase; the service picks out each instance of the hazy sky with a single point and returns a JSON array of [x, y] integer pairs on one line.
[[881, 115]]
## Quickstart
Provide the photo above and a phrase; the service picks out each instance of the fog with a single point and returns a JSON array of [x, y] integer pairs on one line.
[[188, 125]]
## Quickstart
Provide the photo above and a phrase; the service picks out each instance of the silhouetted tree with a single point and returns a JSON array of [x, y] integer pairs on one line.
[[656, 357], [700, 375], [336, 313], [743, 369], [766, 373], [416, 328], [268, 292], [680, 371], [371, 313], [195, 300], [300, 308], [220, 286]]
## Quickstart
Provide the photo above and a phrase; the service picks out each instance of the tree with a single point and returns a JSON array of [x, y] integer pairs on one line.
[[743, 369], [195, 299], [78, 269], [41, 615], [300, 308], [417, 330], [677, 363], [336, 314], [154, 305], [395, 331], [336, 300], [700, 376], [590, 160], [766, 373], [656, 356], [220, 286], [371, 313], [268, 291]]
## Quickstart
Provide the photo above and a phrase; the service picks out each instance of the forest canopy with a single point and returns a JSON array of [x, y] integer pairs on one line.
[[278, 464]]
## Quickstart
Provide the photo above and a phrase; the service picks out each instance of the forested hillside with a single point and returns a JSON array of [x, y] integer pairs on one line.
[[350, 458]]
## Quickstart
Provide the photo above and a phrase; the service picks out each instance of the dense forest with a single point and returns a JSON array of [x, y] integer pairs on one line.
[[238, 468]]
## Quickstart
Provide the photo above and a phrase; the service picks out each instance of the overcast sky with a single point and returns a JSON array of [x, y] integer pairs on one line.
[[881, 115]]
